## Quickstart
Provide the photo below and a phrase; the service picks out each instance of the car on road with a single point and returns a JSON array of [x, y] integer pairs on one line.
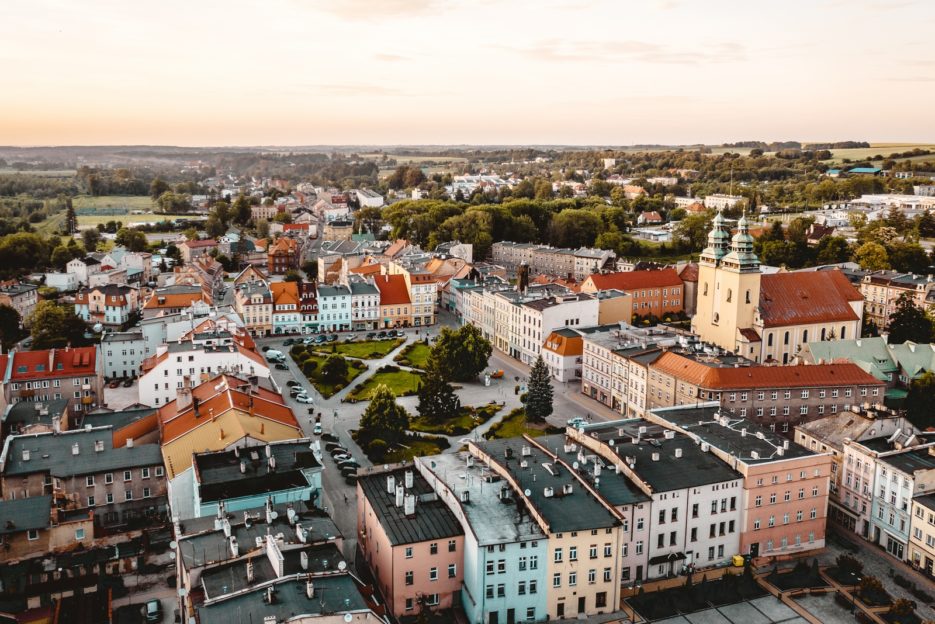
[[293, 382], [317, 429], [330, 438], [304, 398], [577, 422], [497, 374], [333, 338], [281, 366], [153, 611], [371, 335]]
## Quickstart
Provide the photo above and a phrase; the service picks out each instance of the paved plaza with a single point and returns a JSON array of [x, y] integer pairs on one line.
[[765, 610]]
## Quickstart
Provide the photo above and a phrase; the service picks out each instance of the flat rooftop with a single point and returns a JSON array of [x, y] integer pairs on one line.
[[667, 472], [577, 510], [432, 519], [743, 438], [223, 475], [492, 520]]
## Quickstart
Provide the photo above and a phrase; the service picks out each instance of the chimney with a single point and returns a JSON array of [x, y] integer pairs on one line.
[[309, 588], [678, 453], [99, 446], [74, 449], [249, 571], [390, 484], [655, 456], [409, 505], [243, 467], [408, 477], [25, 455], [129, 442], [235, 549], [183, 396], [400, 493]]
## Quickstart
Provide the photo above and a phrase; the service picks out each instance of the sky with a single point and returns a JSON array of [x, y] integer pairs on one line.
[[570, 72]]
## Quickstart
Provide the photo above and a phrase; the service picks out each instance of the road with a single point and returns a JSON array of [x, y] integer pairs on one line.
[[340, 418]]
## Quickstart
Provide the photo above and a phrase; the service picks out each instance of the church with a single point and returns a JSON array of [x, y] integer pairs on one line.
[[768, 317]]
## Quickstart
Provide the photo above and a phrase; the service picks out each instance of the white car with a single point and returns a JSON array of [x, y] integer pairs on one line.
[[304, 398], [577, 422], [317, 429]]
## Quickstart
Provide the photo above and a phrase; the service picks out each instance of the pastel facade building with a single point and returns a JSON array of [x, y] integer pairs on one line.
[[334, 307], [76, 375], [658, 293], [540, 317], [922, 534], [410, 540], [899, 478], [505, 551]]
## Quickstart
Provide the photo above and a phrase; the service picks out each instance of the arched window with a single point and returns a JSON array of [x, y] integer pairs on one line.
[[748, 296], [729, 293], [785, 338], [706, 289], [769, 340], [805, 336], [822, 333], [843, 332]]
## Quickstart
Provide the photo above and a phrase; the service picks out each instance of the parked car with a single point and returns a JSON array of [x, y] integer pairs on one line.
[[348, 472], [288, 342], [281, 366], [382, 334], [304, 398], [320, 339], [350, 479], [317, 429], [497, 374], [340, 457], [114, 384], [128, 382], [371, 335], [153, 611], [348, 463], [308, 341], [293, 382], [264, 348], [577, 422], [329, 438], [333, 338]]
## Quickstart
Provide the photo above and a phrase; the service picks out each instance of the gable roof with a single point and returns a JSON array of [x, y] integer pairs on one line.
[[25, 514], [393, 290], [54, 453], [689, 272], [806, 298], [632, 280], [284, 293], [66, 362]]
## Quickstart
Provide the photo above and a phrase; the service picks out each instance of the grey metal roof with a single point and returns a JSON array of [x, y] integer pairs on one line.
[[25, 413], [117, 420], [24, 514], [431, 521], [668, 472], [333, 594], [363, 288], [53, 453], [926, 500], [577, 510], [332, 291], [220, 477], [911, 461]]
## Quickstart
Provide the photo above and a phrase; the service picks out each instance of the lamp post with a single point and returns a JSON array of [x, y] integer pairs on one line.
[[856, 580]]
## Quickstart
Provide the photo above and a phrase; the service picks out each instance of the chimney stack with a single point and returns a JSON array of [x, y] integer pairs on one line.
[[183, 396]]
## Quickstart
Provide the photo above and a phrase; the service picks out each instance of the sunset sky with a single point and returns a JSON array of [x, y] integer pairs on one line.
[[616, 72]]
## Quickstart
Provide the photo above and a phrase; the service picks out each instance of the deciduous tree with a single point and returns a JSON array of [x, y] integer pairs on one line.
[[383, 419], [909, 322], [437, 399], [461, 354]]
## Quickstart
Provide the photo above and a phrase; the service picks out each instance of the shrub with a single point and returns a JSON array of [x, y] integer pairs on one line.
[[309, 367], [901, 580], [388, 369], [338, 388], [523, 397], [377, 449], [869, 585], [847, 564], [842, 600], [902, 607]]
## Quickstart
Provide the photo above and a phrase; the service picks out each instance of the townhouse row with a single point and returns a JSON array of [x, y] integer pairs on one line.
[[552, 527]]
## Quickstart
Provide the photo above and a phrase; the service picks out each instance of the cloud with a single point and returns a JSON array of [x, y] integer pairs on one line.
[[380, 9], [556, 50], [389, 58]]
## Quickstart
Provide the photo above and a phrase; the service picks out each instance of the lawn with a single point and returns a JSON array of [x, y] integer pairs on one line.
[[415, 355], [877, 149], [354, 369], [361, 349], [416, 447], [464, 422], [514, 424], [401, 382]]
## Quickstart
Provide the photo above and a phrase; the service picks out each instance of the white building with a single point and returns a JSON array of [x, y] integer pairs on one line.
[[62, 282], [365, 305], [190, 362], [334, 307], [369, 199], [539, 318], [83, 268], [123, 353], [720, 201]]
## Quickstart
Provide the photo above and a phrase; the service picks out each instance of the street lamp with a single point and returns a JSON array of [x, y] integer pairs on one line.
[[856, 582]]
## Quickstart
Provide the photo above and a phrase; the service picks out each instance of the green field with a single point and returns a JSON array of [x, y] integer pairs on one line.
[[514, 425], [354, 369], [416, 160], [401, 382], [415, 355], [465, 421], [881, 149]]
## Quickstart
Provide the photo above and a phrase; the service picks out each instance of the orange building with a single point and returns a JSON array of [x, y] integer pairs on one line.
[[657, 293], [395, 305], [282, 256]]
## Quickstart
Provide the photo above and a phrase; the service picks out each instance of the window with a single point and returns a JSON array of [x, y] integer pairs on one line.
[[501, 590], [607, 575], [533, 587], [79, 534], [144, 473], [572, 579], [501, 566], [110, 498], [533, 561], [90, 501], [146, 492], [592, 551], [409, 579], [573, 553], [128, 495], [758, 501], [608, 550], [408, 552], [592, 576], [89, 481], [127, 475], [433, 548], [490, 568], [452, 545], [109, 478], [521, 588], [522, 564], [489, 591], [639, 547], [433, 574], [557, 556], [530, 614], [556, 580]]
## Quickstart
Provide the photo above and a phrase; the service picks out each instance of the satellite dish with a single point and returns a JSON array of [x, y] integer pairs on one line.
[[97, 328], [173, 544], [348, 617], [274, 514], [342, 565], [575, 465], [172, 555], [527, 492], [182, 592]]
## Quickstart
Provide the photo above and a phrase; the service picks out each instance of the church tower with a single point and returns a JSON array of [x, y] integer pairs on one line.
[[728, 285]]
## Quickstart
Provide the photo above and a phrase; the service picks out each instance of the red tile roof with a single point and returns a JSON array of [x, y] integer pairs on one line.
[[633, 280], [806, 298], [689, 272], [815, 375], [393, 290], [54, 363]]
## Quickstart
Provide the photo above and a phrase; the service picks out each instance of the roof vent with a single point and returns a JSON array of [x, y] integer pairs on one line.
[[390, 484], [526, 451], [409, 505], [74, 449], [408, 479], [705, 447], [567, 488], [655, 456], [243, 467], [99, 446], [235, 549], [303, 560], [760, 435], [743, 432], [780, 452], [678, 453], [785, 444], [548, 492], [25, 455], [669, 434], [400, 494], [465, 496], [129, 442], [754, 455]]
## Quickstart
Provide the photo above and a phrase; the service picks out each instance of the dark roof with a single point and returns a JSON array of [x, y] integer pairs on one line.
[[117, 420], [926, 500], [333, 594], [432, 520], [578, 510], [910, 461], [739, 437], [53, 453], [25, 413], [615, 487], [219, 474], [692, 469], [24, 514]]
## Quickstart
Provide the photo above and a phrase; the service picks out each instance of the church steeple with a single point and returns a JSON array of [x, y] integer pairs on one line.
[[718, 239], [741, 257]]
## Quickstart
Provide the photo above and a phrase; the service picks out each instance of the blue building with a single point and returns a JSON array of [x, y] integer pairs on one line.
[[242, 478], [504, 548], [334, 308]]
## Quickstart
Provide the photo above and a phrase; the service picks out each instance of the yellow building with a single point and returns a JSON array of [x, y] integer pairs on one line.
[[767, 317]]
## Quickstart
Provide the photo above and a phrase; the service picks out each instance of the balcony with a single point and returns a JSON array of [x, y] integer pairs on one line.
[[87, 400]]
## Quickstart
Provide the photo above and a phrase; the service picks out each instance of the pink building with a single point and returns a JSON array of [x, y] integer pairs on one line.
[[411, 541], [785, 488]]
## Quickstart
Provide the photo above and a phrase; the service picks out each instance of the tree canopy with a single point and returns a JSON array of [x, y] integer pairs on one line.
[[460, 354]]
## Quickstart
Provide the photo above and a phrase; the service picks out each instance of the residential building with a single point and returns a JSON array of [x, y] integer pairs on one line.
[[720, 201], [62, 282], [75, 375], [365, 304], [882, 289], [308, 306], [175, 299], [899, 478], [21, 297], [505, 551], [192, 249], [650, 218], [83, 268], [922, 534], [266, 211], [369, 199], [395, 305], [203, 271], [785, 487], [123, 354], [254, 303], [572, 516], [221, 413], [25, 418], [591, 260], [334, 307], [562, 353], [614, 306], [233, 480], [654, 293], [540, 317], [410, 540], [251, 274], [831, 433], [83, 470], [283, 255], [287, 317], [32, 527], [422, 290], [767, 317], [187, 363], [111, 305], [775, 396]]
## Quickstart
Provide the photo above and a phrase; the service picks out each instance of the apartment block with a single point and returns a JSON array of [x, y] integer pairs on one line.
[[882, 289]]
